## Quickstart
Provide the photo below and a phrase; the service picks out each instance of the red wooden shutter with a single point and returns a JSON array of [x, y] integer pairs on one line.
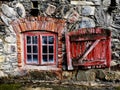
[[88, 48]]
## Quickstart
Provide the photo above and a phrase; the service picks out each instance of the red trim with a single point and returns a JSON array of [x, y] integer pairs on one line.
[[55, 48], [25, 49]]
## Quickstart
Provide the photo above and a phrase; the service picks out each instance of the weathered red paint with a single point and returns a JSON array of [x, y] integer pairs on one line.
[[69, 60], [89, 47]]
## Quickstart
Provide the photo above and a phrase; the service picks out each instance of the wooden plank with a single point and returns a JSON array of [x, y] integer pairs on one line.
[[78, 48], [108, 51], [89, 56], [75, 49], [103, 49], [69, 60], [97, 51], [91, 63], [89, 50], [85, 38]]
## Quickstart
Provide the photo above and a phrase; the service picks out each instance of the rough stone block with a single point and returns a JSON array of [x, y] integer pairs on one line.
[[86, 75], [112, 75], [11, 38], [2, 58], [8, 11], [14, 64], [73, 17], [67, 75], [106, 2], [1, 41], [100, 74], [97, 2], [6, 66], [10, 29], [79, 9], [87, 22], [88, 10], [1, 48], [2, 74], [50, 9], [5, 19], [11, 58], [82, 3], [11, 48], [20, 10]]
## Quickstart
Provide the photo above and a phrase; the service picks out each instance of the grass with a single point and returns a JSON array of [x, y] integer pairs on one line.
[[9, 86]]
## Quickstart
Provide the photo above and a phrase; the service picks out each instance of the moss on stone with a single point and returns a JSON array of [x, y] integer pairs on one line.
[[43, 75]]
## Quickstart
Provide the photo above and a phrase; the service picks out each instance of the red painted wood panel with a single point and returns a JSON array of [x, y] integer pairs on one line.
[[90, 47]]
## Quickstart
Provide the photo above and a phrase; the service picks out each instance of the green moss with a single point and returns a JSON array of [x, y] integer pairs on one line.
[[42, 75], [9, 86], [117, 88]]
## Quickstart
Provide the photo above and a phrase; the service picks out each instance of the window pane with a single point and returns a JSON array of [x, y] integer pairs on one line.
[[34, 39], [28, 40], [50, 49], [51, 58], [28, 49], [51, 39], [35, 49], [44, 49], [44, 39], [35, 58], [44, 58], [29, 58]]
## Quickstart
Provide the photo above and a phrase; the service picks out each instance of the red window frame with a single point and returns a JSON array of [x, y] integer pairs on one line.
[[39, 45]]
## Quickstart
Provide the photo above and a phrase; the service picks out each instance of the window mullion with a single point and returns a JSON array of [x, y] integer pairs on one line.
[[39, 48], [32, 48], [48, 53], [47, 49]]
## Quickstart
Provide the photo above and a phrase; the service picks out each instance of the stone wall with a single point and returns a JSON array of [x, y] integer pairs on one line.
[[8, 53], [78, 14]]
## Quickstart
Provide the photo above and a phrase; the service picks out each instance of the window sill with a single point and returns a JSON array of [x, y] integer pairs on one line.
[[33, 67]]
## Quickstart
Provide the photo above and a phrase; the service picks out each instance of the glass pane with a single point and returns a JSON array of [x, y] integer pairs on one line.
[[29, 58], [44, 49], [28, 40], [34, 39], [51, 39], [35, 49], [28, 49], [44, 58], [44, 39], [50, 49], [51, 58], [35, 58]]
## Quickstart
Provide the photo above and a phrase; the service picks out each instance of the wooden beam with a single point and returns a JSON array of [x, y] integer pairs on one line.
[[69, 60]]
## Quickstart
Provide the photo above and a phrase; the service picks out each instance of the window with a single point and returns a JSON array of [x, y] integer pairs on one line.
[[40, 48]]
